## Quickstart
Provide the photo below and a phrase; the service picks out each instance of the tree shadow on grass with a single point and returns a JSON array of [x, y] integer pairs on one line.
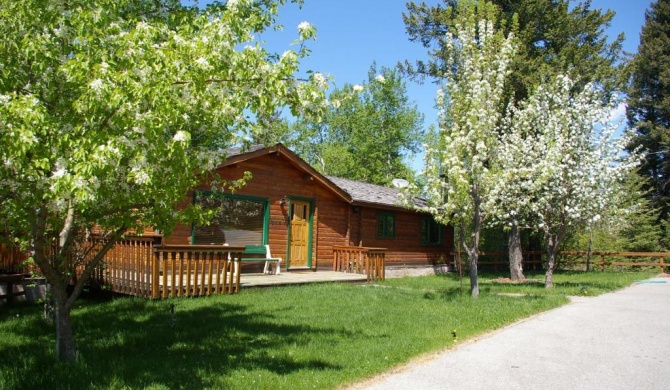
[[137, 343], [567, 282]]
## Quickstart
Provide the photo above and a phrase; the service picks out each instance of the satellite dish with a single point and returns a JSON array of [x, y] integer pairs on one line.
[[400, 183]]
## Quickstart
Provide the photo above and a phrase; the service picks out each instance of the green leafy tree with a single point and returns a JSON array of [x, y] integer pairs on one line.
[[553, 38], [367, 133], [649, 105], [110, 111]]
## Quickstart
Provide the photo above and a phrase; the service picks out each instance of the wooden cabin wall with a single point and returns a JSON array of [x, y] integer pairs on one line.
[[274, 177], [406, 248], [335, 222]]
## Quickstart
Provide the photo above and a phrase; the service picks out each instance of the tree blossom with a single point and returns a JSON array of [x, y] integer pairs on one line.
[[306, 31], [320, 80], [72, 159], [459, 177], [560, 166], [182, 136], [96, 84], [202, 61]]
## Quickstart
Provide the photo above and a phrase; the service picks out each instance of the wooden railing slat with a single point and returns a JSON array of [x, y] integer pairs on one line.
[[361, 260]]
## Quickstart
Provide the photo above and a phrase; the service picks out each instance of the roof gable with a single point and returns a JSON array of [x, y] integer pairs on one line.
[[237, 155], [351, 191]]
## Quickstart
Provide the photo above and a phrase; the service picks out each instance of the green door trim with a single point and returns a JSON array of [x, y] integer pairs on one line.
[[310, 229]]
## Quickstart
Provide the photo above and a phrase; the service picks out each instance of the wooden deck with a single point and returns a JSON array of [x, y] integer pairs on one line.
[[301, 277], [136, 266], [220, 283]]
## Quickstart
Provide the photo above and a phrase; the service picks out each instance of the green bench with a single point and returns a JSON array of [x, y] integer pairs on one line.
[[264, 252]]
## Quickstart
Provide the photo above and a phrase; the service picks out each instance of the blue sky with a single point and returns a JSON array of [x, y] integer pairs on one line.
[[351, 34]]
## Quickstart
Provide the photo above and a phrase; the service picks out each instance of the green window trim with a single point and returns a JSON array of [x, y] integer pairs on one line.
[[431, 231], [385, 224], [264, 204]]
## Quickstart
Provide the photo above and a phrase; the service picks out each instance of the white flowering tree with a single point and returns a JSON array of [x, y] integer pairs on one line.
[[458, 169], [111, 110], [560, 165]]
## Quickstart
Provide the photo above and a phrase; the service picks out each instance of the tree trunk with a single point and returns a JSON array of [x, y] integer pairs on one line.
[[58, 269], [515, 255], [473, 249], [66, 349], [552, 244], [473, 256], [588, 252]]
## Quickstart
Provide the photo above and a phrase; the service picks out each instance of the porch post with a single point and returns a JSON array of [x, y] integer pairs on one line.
[[155, 293]]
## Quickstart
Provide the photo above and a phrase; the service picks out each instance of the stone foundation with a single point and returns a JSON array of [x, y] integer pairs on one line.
[[399, 271]]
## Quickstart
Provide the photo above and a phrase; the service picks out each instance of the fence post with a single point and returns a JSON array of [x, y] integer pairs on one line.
[[661, 265], [602, 262]]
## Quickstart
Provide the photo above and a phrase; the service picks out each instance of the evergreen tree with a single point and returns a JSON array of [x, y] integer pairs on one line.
[[554, 38], [631, 227], [649, 104]]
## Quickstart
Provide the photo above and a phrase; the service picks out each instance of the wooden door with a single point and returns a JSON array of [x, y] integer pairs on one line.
[[299, 256]]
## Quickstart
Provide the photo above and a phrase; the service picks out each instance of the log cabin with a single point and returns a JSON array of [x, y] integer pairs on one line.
[[313, 222], [305, 216]]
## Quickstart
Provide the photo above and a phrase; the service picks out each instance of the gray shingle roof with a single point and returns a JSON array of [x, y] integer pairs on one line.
[[239, 150], [372, 193]]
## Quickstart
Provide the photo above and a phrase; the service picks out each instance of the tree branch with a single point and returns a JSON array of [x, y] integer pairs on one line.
[[255, 80], [66, 236], [92, 264]]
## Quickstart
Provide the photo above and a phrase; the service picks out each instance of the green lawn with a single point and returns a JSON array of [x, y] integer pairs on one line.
[[317, 336], [575, 283]]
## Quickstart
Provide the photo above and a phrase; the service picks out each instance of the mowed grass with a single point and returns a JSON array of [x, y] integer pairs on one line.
[[302, 337], [573, 283]]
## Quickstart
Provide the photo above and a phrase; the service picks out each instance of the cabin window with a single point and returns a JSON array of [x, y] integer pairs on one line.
[[385, 225], [237, 220], [431, 231]]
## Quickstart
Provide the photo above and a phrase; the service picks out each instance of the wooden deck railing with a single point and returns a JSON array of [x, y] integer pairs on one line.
[[136, 266], [126, 268], [360, 260], [193, 270], [12, 260], [609, 260]]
